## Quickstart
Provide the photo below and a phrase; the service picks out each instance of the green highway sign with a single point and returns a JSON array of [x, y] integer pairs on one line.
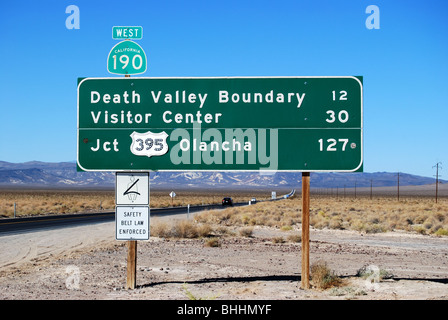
[[126, 58], [221, 124], [121, 33]]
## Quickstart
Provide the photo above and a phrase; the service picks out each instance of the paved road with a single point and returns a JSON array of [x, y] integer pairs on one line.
[[29, 224]]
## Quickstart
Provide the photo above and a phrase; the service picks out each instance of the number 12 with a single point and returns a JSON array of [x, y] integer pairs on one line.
[[342, 95]]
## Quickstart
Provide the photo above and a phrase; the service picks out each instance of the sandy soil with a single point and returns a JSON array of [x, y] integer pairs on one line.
[[88, 263]]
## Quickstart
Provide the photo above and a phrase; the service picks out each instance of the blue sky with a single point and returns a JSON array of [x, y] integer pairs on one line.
[[404, 64]]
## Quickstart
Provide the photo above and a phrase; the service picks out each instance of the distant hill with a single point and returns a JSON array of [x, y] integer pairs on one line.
[[61, 174], [65, 175]]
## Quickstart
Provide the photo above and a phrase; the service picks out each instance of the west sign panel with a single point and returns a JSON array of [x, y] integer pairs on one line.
[[133, 32], [222, 124]]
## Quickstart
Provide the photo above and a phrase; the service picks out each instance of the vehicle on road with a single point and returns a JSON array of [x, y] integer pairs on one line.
[[253, 200], [227, 201]]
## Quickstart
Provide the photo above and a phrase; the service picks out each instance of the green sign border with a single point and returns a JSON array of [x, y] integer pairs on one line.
[[358, 168]]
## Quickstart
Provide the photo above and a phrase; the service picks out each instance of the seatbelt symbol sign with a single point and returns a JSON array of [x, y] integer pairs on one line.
[[132, 188]]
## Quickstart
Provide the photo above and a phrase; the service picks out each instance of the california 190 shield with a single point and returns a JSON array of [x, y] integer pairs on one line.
[[149, 144]]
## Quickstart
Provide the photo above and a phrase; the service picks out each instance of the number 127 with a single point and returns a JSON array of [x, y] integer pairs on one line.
[[332, 144]]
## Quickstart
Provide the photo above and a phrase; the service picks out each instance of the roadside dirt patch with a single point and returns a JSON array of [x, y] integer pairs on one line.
[[88, 263]]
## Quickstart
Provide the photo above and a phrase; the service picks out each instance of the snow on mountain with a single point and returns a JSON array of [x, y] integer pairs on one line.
[[64, 174]]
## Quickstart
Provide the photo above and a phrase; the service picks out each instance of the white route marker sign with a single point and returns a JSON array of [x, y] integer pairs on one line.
[[132, 188]]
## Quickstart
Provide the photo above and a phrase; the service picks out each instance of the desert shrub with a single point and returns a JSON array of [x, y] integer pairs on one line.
[[441, 232], [180, 229], [373, 228], [335, 224], [419, 229], [245, 219], [439, 216], [223, 230], [295, 238], [422, 218], [322, 224], [321, 214], [246, 232], [322, 277], [213, 242], [374, 220], [204, 230], [369, 271], [206, 216], [350, 292], [184, 229], [278, 240], [160, 229]]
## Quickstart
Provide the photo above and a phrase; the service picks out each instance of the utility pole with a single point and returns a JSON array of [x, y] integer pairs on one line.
[[437, 176], [398, 186]]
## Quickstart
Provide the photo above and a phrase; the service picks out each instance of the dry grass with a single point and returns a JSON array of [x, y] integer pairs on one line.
[[421, 215], [380, 214], [417, 214], [279, 214], [40, 202], [180, 229]]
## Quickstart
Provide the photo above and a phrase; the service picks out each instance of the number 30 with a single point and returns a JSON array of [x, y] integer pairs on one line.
[[342, 116]]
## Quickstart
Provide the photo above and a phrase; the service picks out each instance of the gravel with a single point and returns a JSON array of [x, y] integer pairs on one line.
[[87, 263]]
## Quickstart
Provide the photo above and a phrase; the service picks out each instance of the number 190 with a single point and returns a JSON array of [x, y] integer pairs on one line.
[[124, 59]]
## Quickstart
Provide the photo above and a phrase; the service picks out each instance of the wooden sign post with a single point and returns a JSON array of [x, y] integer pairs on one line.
[[305, 277], [131, 278], [131, 274]]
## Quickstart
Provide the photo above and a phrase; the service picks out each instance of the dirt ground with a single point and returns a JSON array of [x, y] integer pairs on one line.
[[87, 263]]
